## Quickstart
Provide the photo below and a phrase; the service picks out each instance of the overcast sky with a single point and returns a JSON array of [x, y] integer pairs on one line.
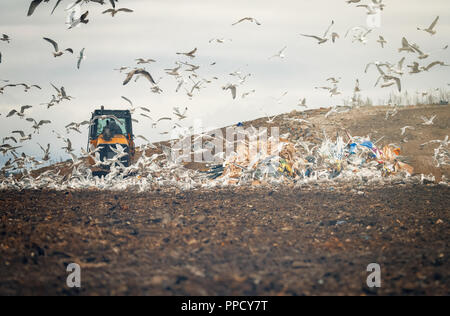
[[159, 29]]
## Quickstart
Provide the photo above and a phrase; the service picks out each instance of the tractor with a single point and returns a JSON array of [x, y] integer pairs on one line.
[[108, 130]]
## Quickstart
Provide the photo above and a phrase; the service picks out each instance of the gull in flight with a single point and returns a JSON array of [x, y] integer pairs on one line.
[[250, 19], [302, 102], [382, 41], [360, 35], [21, 114], [323, 39], [435, 63], [246, 94], [431, 29], [139, 72], [279, 54], [189, 54], [428, 121], [5, 38], [36, 126], [219, 40], [76, 22], [115, 11], [57, 52], [232, 88], [270, 119], [414, 68], [403, 129], [80, 58], [181, 116], [406, 47], [46, 152], [145, 61]]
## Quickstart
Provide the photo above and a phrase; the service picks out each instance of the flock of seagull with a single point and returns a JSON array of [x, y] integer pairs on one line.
[[186, 76]]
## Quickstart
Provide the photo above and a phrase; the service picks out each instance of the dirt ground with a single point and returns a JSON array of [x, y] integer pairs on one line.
[[229, 242]]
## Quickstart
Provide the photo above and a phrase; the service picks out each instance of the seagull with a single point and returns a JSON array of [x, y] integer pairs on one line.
[[80, 58], [57, 52], [121, 69], [406, 47], [61, 93], [189, 54], [334, 80], [21, 133], [140, 72], [357, 88], [435, 63], [46, 152], [5, 38], [232, 88], [270, 119], [173, 71], [115, 11], [427, 121], [431, 29], [323, 39], [76, 22], [382, 41], [219, 40], [403, 129], [302, 103], [389, 81], [279, 54], [361, 36], [422, 55], [33, 6], [21, 114], [250, 19], [145, 61], [246, 94], [36, 126], [414, 68], [180, 115]]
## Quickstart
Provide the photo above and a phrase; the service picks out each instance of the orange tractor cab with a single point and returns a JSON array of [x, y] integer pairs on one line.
[[108, 129]]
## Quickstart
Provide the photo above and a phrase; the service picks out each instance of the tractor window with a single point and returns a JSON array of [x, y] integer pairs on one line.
[[121, 126]]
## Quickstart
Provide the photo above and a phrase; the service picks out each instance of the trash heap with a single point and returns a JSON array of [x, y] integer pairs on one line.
[[306, 162]]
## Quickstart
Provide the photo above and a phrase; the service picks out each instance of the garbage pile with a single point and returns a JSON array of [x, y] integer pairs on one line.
[[357, 160], [306, 162]]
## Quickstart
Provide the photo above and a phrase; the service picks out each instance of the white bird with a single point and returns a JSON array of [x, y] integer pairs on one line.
[[403, 129], [279, 54], [360, 33], [80, 58], [250, 19], [382, 41], [323, 39], [270, 119], [232, 88], [302, 102], [428, 121], [406, 47], [431, 29]]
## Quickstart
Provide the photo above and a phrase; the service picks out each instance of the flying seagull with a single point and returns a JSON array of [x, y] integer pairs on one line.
[[431, 29], [250, 19], [57, 52], [114, 11], [80, 58], [189, 54], [141, 72], [323, 39]]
